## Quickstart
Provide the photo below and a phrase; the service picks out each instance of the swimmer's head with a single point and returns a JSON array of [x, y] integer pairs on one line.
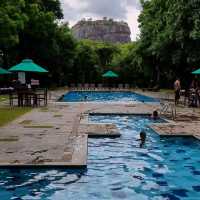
[[155, 114], [142, 136]]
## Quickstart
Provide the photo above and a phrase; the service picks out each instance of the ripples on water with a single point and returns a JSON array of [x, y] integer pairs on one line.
[[102, 96], [164, 169]]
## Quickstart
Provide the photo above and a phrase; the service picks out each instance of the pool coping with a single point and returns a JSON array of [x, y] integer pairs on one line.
[[157, 101], [79, 158]]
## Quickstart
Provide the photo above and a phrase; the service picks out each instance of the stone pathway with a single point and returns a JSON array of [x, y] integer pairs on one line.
[[58, 135]]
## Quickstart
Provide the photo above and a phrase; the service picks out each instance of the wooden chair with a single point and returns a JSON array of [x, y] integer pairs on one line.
[[40, 95]]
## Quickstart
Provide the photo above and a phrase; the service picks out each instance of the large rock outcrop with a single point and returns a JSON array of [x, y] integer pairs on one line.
[[105, 30]]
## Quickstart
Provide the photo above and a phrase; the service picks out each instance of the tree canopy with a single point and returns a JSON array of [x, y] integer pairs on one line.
[[168, 45]]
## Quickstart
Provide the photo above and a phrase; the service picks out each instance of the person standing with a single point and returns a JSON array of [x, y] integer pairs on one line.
[[177, 88]]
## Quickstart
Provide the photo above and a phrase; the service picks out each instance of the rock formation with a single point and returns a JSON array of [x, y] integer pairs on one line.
[[105, 30]]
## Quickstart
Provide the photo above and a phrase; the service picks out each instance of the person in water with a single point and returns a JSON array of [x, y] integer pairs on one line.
[[154, 115], [142, 138], [85, 98]]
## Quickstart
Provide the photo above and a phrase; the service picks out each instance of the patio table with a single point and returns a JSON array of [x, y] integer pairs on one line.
[[28, 97]]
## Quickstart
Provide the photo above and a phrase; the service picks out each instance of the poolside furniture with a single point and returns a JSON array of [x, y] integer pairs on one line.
[[92, 86], [127, 86], [184, 94], [80, 86], [28, 97], [6, 90], [26, 66], [72, 86], [156, 88], [4, 71], [41, 96], [100, 86], [192, 98], [120, 86], [86, 86]]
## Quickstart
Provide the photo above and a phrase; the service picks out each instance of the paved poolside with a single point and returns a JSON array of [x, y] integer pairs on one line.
[[58, 135]]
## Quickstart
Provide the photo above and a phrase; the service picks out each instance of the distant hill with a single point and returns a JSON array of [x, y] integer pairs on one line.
[[106, 30]]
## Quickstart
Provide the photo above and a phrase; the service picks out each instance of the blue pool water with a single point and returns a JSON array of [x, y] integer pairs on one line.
[[102, 96], [164, 169]]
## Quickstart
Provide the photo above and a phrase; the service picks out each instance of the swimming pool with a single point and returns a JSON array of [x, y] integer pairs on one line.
[[105, 96], [164, 169]]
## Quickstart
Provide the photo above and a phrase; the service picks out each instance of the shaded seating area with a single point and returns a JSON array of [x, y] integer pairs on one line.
[[29, 97], [191, 97], [5, 88], [27, 93]]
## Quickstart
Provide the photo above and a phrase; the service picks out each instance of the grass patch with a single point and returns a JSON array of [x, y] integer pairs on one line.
[[39, 126], [57, 115], [9, 114], [3, 98], [9, 139], [45, 109], [25, 122]]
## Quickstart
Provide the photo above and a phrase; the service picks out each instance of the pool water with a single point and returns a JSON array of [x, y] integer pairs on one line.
[[102, 96], [163, 169]]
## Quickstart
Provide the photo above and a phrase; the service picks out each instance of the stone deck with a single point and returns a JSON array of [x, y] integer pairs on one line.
[[58, 135], [99, 130]]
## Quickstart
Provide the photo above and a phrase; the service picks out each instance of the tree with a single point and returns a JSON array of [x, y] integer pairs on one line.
[[170, 36], [86, 62], [52, 6], [37, 35], [12, 20]]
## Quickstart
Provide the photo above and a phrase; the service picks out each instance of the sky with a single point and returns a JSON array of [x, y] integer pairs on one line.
[[126, 10]]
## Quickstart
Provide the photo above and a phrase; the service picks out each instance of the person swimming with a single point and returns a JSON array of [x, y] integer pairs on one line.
[[85, 98], [154, 115], [142, 138]]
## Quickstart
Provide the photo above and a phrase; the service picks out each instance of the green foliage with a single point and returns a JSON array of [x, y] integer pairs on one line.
[[10, 114], [170, 37], [86, 61], [11, 21], [169, 43]]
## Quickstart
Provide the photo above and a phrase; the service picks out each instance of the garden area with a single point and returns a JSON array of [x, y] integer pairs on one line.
[[9, 114]]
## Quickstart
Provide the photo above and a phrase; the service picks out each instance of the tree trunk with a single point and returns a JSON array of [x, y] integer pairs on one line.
[[4, 58], [157, 75]]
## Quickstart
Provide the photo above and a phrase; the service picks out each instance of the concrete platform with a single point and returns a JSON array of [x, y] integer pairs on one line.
[[77, 160], [177, 129], [94, 130], [57, 136]]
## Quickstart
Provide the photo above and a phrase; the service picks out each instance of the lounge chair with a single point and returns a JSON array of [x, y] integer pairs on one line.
[[100, 86], [80, 86], [127, 86], [120, 86], [72, 86], [156, 88], [86, 86], [92, 86], [6, 90]]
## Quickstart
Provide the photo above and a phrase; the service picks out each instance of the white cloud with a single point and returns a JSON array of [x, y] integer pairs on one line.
[[127, 10]]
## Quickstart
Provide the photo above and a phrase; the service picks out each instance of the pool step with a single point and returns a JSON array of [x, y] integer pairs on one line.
[[176, 129], [197, 137], [95, 130]]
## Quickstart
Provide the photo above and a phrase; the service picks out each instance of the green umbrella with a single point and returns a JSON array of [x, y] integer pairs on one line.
[[27, 65], [4, 71], [196, 71], [110, 74]]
